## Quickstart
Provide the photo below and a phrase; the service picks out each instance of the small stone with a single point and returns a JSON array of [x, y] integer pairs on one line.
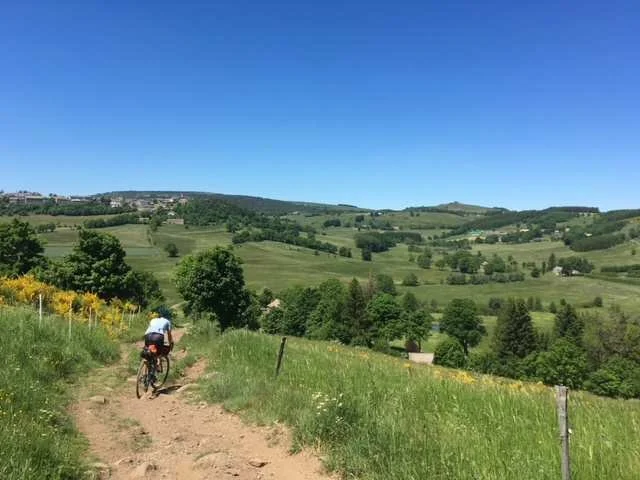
[[258, 463], [233, 473], [177, 438], [142, 469], [99, 399], [211, 461]]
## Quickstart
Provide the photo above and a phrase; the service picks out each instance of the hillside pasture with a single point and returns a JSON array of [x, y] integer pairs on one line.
[[377, 417], [279, 266]]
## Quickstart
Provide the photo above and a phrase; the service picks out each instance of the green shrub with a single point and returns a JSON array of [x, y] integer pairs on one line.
[[449, 353], [619, 377]]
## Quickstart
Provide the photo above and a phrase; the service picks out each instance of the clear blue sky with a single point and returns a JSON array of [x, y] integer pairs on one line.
[[379, 104]]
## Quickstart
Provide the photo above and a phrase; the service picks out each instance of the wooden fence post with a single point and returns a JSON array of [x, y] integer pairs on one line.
[[280, 355], [40, 310], [562, 401], [70, 315]]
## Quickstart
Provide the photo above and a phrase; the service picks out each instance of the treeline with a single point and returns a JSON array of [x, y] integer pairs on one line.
[[369, 316], [124, 219], [288, 236], [70, 209], [212, 211], [614, 215], [544, 219], [45, 227], [481, 279], [592, 351], [600, 242], [248, 226], [96, 265], [381, 242], [601, 234], [620, 268]]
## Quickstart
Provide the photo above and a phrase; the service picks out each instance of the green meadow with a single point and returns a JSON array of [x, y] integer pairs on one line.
[[377, 417], [278, 266]]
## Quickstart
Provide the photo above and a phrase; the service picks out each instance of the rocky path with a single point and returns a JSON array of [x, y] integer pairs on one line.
[[173, 435]]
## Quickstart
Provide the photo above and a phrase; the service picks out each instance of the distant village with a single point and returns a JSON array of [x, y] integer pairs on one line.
[[146, 204]]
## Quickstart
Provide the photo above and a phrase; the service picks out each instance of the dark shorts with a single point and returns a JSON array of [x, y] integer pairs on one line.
[[157, 339]]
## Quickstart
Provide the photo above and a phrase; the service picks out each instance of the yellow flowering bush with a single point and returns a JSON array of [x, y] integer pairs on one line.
[[80, 306]]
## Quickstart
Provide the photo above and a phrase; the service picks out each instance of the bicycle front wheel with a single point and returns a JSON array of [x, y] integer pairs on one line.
[[142, 379]]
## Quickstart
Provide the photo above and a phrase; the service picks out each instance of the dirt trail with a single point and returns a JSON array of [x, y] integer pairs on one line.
[[174, 436]]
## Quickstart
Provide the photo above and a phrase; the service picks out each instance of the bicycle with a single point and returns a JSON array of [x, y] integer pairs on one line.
[[153, 370]]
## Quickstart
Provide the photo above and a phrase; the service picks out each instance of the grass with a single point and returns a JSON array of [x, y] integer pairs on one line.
[[279, 266], [39, 362], [376, 417]]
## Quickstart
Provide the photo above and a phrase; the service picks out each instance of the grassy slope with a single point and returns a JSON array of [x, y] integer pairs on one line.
[[38, 438], [278, 266], [378, 418]]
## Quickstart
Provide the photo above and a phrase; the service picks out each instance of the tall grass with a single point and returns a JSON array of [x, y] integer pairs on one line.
[[38, 362], [378, 417]]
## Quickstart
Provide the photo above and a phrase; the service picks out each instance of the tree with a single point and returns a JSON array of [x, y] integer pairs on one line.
[[563, 364], [409, 302], [144, 288], [449, 353], [415, 325], [300, 302], [461, 320], [20, 248], [411, 280], [96, 264], [514, 334], [273, 321], [212, 282], [530, 303], [424, 261], [535, 272], [440, 263], [538, 305], [327, 321], [618, 377], [171, 249], [385, 284], [495, 304], [384, 313], [544, 268], [355, 315], [551, 263], [568, 324], [366, 255]]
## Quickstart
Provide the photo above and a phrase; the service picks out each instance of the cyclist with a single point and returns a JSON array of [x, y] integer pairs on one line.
[[155, 333]]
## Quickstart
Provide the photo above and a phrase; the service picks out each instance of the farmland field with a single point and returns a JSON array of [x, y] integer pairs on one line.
[[278, 266]]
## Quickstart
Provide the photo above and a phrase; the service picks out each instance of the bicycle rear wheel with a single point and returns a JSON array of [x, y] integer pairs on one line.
[[162, 371], [142, 379]]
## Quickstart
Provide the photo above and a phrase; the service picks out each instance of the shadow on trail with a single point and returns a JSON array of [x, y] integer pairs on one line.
[[165, 390]]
